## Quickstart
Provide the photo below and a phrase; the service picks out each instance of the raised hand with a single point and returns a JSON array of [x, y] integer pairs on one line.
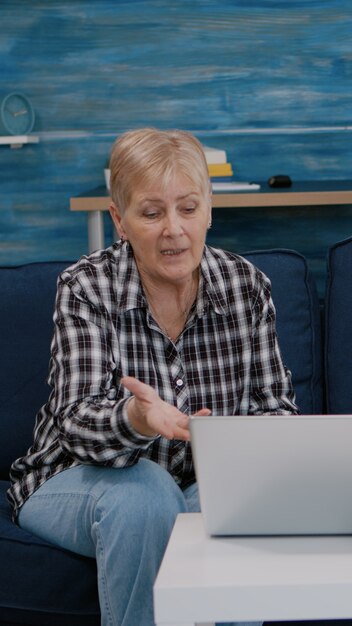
[[151, 416]]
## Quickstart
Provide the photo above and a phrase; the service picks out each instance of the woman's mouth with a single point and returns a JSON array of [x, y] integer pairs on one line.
[[172, 252]]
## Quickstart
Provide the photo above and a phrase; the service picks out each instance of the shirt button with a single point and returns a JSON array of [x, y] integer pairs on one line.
[[179, 382]]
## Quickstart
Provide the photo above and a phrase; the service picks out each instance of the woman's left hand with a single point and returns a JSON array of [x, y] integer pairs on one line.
[[151, 416]]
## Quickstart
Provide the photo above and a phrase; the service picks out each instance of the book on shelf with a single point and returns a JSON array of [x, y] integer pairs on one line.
[[214, 155], [220, 169], [235, 186]]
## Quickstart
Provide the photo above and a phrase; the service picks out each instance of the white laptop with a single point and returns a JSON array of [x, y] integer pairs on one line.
[[274, 475]]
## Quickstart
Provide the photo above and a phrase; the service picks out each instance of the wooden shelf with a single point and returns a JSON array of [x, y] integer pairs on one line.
[[307, 193], [17, 141], [304, 193]]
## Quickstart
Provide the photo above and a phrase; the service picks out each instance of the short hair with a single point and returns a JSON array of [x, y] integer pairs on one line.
[[142, 157]]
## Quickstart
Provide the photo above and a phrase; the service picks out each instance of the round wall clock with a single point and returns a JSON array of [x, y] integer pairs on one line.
[[17, 114]]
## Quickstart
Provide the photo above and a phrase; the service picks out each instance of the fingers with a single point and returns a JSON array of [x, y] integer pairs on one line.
[[137, 388], [150, 415], [203, 412], [176, 429], [172, 424], [175, 432], [181, 434], [181, 429]]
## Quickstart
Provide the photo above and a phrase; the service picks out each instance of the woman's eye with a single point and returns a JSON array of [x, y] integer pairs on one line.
[[151, 215]]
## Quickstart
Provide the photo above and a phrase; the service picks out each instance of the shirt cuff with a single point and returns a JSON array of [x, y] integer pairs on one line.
[[127, 434]]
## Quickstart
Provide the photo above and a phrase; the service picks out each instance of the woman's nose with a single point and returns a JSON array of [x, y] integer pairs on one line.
[[172, 225]]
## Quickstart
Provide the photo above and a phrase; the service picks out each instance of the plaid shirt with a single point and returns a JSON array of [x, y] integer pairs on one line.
[[226, 359]]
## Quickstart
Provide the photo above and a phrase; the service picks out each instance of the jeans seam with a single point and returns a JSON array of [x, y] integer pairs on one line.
[[102, 573]]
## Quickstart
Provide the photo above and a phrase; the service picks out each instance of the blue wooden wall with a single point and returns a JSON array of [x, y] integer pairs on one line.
[[268, 80]]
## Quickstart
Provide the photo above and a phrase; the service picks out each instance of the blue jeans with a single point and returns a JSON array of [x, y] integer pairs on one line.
[[121, 517]]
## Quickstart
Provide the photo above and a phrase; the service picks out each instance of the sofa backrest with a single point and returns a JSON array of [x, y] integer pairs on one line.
[[338, 329], [27, 304], [298, 322]]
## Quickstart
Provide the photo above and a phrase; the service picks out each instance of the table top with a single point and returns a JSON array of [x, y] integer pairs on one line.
[[303, 193], [206, 578]]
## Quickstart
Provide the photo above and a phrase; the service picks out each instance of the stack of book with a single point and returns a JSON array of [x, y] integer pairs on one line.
[[220, 170], [221, 173]]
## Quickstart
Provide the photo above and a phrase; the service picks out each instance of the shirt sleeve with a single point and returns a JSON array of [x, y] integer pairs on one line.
[[87, 402], [271, 385]]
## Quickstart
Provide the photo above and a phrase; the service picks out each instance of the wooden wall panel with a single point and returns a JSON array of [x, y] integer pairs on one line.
[[268, 80]]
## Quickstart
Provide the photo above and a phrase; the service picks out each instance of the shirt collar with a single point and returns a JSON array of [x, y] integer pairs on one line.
[[131, 294], [213, 282]]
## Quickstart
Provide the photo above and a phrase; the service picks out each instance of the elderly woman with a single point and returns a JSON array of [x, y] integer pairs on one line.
[[147, 332]]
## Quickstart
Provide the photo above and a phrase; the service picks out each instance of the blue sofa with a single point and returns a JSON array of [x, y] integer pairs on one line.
[[40, 584]]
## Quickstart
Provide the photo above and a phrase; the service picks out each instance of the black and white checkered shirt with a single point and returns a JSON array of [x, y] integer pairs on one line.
[[226, 359]]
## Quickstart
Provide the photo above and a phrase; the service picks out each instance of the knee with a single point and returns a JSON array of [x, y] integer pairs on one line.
[[154, 495], [146, 497]]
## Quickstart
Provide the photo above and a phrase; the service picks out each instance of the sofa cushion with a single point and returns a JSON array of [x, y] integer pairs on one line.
[[298, 322], [42, 584], [39, 583], [338, 328], [27, 303]]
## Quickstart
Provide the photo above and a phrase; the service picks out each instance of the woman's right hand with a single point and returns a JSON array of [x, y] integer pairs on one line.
[[152, 416]]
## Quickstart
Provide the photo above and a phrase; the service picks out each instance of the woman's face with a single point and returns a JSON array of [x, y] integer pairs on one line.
[[166, 229]]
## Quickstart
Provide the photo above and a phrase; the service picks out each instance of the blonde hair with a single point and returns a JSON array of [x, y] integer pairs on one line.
[[142, 157]]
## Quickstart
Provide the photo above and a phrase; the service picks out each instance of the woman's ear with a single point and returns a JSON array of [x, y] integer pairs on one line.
[[116, 218]]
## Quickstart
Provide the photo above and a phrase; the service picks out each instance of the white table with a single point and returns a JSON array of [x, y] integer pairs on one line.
[[204, 579]]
